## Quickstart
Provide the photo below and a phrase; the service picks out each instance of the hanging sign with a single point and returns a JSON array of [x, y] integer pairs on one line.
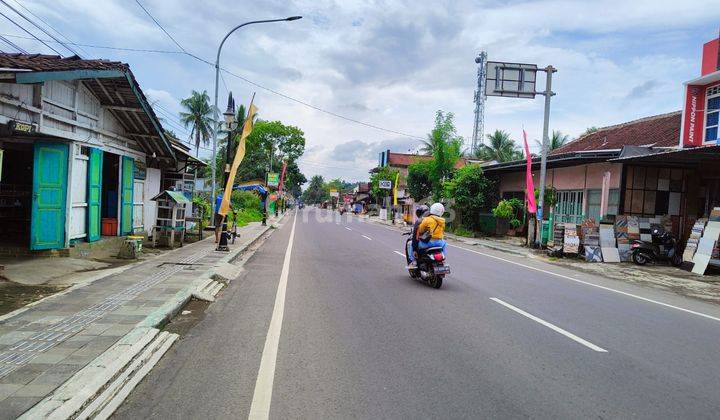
[[385, 185], [19, 127], [273, 179]]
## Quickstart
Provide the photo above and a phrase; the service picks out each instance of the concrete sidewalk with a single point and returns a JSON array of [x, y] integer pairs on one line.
[[61, 340]]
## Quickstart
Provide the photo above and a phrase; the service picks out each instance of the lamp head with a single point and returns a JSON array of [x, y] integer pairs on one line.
[[293, 18]]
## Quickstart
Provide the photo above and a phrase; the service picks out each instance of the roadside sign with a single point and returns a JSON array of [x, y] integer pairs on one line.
[[273, 179], [515, 80], [385, 185], [334, 193]]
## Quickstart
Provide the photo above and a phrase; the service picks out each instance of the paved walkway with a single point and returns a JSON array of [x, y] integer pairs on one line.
[[45, 345]]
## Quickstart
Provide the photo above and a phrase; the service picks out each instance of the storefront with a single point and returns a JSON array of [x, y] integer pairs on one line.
[[701, 107], [80, 149]]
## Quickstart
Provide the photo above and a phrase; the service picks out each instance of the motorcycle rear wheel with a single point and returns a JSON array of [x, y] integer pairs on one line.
[[639, 258], [435, 282]]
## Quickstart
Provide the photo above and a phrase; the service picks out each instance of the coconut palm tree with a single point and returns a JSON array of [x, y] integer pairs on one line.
[[500, 148], [198, 115], [557, 140]]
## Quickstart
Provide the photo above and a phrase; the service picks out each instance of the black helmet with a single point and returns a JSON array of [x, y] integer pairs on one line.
[[421, 210]]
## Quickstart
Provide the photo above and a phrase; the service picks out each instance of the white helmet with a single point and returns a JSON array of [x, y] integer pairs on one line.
[[437, 209]]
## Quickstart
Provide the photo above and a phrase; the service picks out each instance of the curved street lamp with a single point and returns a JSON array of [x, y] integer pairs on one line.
[[217, 79]]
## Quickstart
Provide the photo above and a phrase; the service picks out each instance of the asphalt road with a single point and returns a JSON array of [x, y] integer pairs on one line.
[[505, 337]]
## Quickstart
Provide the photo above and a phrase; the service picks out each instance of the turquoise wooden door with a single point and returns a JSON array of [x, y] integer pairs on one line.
[[126, 195], [50, 170], [94, 194]]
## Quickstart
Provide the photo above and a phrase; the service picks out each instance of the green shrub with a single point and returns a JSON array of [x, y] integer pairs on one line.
[[515, 223], [245, 200], [507, 209]]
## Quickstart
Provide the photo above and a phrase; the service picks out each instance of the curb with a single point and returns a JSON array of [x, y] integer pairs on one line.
[[89, 383]]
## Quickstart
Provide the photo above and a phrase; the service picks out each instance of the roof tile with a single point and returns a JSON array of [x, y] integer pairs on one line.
[[656, 131]]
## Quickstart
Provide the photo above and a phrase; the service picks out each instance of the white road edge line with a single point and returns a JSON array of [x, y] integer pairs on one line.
[[347, 228], [399, 253], [367, 237], [260, 407], [551, 326], [609, 289]]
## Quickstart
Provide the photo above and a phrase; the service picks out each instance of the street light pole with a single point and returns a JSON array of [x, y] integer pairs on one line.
[[217, 79], [549, 70]]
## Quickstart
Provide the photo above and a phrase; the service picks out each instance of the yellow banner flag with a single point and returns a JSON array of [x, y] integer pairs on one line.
[[397, 178], [239, 155]]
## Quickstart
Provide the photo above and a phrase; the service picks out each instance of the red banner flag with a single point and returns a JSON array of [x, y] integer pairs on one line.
[[529, 186], [282, 177]]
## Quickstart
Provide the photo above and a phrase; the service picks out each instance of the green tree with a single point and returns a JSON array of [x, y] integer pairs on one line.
[[557, 140], [383, 174], [473, 193], [446, 148], [198, 116], [501, 148], [317, 191], [294, 179], [270, 139], [419, 180]]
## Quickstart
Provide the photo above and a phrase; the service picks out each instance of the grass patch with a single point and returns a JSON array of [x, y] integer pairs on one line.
[[461, 231]]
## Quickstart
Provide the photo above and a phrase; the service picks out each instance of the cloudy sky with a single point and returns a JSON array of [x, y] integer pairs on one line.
[[392, 64]]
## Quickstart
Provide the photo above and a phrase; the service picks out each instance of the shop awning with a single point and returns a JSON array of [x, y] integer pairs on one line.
[[681, 158]]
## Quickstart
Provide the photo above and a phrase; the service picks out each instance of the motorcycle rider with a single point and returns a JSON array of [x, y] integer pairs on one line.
[[434, 224], [412, 245]]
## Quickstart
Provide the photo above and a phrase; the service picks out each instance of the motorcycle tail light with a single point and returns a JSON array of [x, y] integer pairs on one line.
[[635, 246], [438, 257]]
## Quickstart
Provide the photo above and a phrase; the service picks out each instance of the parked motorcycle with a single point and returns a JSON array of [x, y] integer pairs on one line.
[[663, 247], [431, 267]]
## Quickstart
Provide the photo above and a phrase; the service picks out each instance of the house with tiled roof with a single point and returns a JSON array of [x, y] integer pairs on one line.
[[81, 149], [610, 159]]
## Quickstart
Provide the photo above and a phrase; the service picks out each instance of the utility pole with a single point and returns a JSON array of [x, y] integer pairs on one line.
[[549, 70], [479, 126]]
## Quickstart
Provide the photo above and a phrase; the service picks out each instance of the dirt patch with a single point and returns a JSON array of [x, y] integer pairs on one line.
[[14, 295], [192, 313]]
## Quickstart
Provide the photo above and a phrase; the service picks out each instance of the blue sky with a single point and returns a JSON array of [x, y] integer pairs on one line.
[[394, 63]]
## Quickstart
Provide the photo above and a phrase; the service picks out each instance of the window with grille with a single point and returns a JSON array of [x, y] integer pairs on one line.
[[712, 112], [569, 206]]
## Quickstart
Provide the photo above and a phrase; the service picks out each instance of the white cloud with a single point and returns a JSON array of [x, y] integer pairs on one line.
[[394, 63]]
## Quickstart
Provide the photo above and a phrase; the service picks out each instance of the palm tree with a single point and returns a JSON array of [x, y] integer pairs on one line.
[[198, 115], [557, 140], [501, 148]]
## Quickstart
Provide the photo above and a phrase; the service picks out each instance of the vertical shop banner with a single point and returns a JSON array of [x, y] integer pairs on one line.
[[239, 155], [282, 178]]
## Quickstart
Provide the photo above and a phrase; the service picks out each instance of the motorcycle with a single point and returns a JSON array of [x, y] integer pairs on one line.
[[663, 247], [431, 267]]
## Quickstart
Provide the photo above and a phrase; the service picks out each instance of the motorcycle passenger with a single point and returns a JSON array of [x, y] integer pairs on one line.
[[434, 225], [412, 245]]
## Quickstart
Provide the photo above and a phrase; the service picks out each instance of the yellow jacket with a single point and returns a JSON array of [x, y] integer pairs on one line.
[[434, 224]]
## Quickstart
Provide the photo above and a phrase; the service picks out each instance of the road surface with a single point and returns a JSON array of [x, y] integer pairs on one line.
[[331, 326]]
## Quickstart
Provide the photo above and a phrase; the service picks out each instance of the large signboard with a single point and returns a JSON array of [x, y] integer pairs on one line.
[[273, 179], [514, 80]]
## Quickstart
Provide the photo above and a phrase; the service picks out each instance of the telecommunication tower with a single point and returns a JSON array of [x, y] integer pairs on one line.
[[479, 127]]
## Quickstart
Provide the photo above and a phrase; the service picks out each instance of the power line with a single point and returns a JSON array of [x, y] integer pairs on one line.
[[13, 45], [38, 26], [275, 92], [29, 33], [104, 47], [160, 26], [48, 24]]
